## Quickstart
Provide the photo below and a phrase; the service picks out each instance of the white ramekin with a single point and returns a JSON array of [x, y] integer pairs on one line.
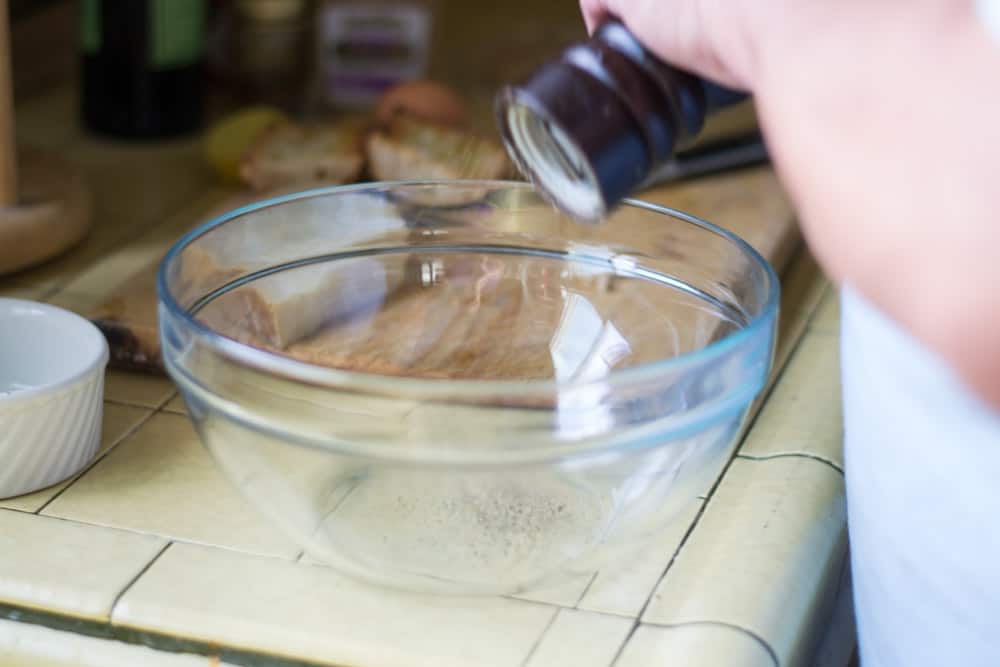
[[51, 394]]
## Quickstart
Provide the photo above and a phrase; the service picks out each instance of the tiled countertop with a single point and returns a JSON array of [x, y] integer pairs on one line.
[[152, 546]]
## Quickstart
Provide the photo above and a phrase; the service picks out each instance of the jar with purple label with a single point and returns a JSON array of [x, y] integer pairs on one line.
[[365, 48]]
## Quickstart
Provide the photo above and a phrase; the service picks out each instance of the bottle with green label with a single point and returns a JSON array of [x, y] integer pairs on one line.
[[142, 67]]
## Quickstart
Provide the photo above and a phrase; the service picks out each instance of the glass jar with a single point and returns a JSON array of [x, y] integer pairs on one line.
[[363, 48]]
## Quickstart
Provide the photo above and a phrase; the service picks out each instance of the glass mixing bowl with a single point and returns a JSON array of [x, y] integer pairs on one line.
[[448, 386]]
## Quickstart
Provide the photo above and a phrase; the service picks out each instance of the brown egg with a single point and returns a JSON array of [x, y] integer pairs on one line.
[[426, 100]]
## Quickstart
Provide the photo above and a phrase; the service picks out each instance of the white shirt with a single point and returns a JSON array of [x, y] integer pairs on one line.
[[923, 488]]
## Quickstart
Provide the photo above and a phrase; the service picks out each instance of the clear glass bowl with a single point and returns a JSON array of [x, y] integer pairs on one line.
[[448, 386]]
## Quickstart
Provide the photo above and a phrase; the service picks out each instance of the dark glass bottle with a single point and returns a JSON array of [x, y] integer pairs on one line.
[[142, 72], [589, 128]]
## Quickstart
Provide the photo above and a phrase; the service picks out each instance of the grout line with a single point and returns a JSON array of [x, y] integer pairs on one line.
[[148, 639], [586, 589], [760, 403], [133, 580], [156, 408], [207, 545], [182, 412], [793, 455], [559, 606], [722, 624], [624, 642], [515, 597], [97, 459], [101, 526], [541, 636], [129, 404], [758, 408], [290, 560], [652, 591], [165, 402], [14, 509]]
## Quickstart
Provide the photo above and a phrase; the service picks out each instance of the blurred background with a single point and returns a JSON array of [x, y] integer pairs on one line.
[[308, 57]]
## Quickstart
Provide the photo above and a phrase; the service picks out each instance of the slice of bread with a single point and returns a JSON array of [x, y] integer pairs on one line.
[[283, 309], [411, 149], [279, 309], [288, 154]]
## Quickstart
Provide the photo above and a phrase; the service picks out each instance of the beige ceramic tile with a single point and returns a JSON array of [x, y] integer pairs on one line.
[[118, 421], [581, 639], [624, 585], [803, 286], [699, 645], [27, 645], [148, 249], [763, 557], [827, 317], [66, 567], [176, 405], [161, 480], [138, 388], [802, 415], [624, 588], [300, 611], [565, 592]]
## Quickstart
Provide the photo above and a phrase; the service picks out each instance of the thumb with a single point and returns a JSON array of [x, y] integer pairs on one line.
[[694, 35]]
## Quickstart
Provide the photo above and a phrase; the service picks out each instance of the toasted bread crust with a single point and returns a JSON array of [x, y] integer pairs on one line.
[[288, 154], [407, 148]]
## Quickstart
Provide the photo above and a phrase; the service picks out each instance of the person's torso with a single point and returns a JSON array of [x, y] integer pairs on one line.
[[923, 476]]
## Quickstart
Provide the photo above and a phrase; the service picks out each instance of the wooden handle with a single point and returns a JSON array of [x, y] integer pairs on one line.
[[8, 159]]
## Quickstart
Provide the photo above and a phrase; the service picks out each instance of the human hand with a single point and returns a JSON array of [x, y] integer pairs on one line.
[[881, 118]]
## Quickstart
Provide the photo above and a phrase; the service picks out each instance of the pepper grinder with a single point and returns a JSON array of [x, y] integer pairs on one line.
[[589, 128], [45, 206]]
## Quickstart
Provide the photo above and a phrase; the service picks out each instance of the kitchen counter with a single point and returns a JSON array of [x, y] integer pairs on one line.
[[151, 557]]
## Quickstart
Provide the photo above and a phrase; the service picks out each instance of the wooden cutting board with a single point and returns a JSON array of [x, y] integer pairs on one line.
[[748, 202]]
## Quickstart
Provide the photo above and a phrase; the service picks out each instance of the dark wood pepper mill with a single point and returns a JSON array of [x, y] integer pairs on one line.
[[590, 127]]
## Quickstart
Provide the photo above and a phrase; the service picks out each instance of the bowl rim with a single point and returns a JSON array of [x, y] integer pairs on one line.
[[81, 326], [293, 369]]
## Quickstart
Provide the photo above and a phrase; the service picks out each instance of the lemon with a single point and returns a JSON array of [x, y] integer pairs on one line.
[[228, 140]]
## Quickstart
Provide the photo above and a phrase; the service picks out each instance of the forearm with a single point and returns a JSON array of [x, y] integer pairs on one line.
[[900, 195]]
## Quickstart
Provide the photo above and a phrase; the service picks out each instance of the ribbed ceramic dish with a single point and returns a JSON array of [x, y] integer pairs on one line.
[[51, 394]]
